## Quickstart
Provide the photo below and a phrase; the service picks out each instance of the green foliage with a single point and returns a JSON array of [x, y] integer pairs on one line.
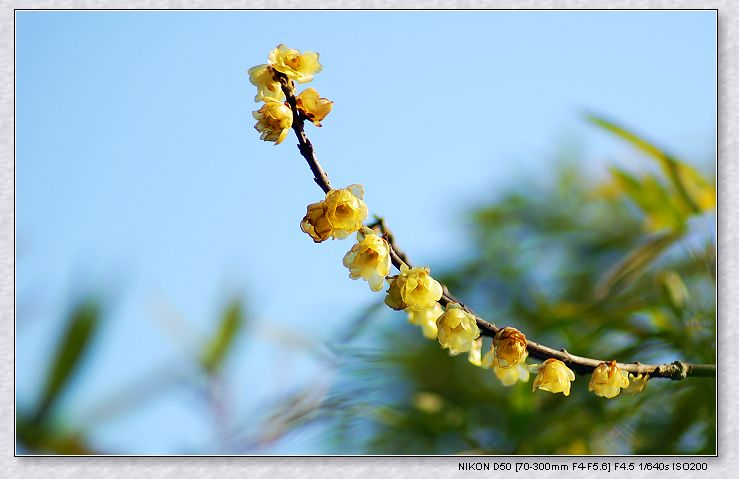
[[44, 431], [666, 205]]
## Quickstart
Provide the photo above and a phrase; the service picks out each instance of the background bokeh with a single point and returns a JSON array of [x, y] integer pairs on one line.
[[151, 220]]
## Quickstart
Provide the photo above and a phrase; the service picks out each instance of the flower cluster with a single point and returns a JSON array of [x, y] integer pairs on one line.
[[343, 211], [340, 214], [275, 117]]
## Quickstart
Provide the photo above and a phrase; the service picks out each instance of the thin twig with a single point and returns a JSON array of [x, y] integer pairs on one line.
[[677, 370]]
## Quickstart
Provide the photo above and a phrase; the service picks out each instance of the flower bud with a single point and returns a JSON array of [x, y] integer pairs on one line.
[[369, 259], [510, 347], [339, 215], [295, 65], [393, 298], [554, 376], [274, 120], [426, 318], [313, 107], [262, 76], [457, 329], [636, 383]]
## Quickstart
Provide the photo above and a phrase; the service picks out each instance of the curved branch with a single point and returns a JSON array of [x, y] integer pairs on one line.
[[677, 370]]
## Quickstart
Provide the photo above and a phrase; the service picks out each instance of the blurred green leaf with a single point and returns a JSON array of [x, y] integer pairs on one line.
[[695, 191], [75, 341], [625, 272], [653, 199], [216, 350], [674, 290]]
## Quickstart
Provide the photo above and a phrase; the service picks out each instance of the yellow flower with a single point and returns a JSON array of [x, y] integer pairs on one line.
[[510, 347], [262, 77], [297, 66], [426, 318], [274, 120], [607, 380], [338, 216], [636, 383], [554, 376], [369, 259], [457, 329], [509, 376], [313, 107], [414, 289], [475, 356]]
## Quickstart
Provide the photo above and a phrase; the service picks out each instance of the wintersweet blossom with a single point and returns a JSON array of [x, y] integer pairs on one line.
[[426, 318], [608, 380], [339, 215], [295, 65], [313, 107], [510, 347], [369, 258], [554, 376], [262, 77], [457, 329], [274, 120], [413, 288]]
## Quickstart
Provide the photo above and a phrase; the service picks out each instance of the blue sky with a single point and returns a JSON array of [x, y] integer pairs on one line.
[[139, 173]]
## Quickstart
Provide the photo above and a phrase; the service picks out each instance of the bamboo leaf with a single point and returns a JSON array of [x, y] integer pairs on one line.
[[697, 193], [633, 265], [650, 195], [75, 341], [216, 350]]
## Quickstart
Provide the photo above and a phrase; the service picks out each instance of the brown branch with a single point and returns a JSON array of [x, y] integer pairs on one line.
[[677, 370], [304, 144]]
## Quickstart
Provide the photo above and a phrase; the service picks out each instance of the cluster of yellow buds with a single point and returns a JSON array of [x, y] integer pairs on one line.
[[275, 117], [343, 212]]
